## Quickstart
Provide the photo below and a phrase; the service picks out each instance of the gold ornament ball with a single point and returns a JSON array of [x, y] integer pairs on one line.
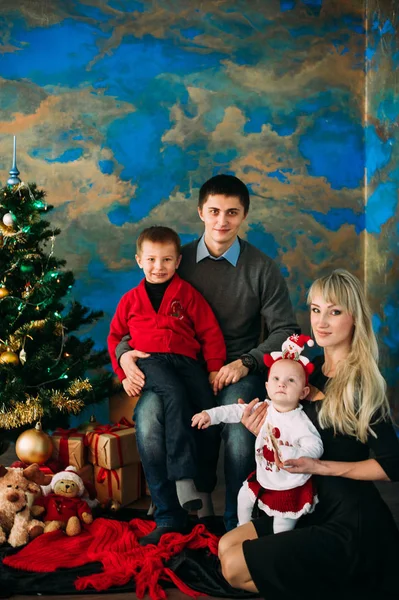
[[34, 446], [3, 292], [9, 358]]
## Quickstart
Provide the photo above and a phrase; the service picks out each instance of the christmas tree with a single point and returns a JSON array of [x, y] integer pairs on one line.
[[46, 372]]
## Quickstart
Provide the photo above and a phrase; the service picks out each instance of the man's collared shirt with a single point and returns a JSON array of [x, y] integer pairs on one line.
[[231, 253]]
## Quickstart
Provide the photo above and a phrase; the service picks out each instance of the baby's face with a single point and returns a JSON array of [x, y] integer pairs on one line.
[[286, 385]]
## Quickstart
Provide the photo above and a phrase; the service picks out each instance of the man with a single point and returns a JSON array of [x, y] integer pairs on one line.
[[246, 291]]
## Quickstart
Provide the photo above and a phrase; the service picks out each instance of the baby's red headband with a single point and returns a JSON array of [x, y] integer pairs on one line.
[[291, 350]]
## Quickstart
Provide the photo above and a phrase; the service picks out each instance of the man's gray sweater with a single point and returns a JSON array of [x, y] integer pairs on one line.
[[240, 296]]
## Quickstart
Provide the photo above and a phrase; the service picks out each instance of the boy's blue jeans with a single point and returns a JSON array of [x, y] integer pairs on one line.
[[170, 449], [157, 432]]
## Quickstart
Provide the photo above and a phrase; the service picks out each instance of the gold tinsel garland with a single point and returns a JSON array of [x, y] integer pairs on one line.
[[78, 386], [16, 338], [68, 401], [21, 413], [24, 413]]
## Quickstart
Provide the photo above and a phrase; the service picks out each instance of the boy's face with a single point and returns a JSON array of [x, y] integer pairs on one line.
[[222, 217], [286, 385], [158, 261]]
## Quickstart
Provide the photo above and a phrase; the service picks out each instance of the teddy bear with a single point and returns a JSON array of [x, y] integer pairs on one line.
[[16, 525], [62, 506]]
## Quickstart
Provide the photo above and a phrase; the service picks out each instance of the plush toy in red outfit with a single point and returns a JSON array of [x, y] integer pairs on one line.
[[62, 507]]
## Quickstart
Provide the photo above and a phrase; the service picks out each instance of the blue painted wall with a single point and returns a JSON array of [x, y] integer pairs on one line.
[[123, 109]]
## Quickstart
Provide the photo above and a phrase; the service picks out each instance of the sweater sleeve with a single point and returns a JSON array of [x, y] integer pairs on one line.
[[277, 312], [207, 331], [122, 347], [230, 413], [308, 443], [118, 329], [385, 448]]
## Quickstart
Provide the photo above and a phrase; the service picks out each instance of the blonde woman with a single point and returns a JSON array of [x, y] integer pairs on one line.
[[350, 544]]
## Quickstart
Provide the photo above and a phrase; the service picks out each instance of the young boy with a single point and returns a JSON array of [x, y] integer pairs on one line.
[[170, 324], [285, 434]]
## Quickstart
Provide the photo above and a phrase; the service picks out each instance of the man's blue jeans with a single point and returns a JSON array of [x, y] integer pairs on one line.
[[152, 440]]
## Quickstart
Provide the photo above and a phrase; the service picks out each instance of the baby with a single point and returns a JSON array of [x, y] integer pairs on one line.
[[285, 434]]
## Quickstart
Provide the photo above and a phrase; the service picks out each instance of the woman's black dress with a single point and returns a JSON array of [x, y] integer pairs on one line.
[[347, 548]]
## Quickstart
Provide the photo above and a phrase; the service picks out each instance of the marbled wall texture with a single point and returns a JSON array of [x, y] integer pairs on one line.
[[122, 109]]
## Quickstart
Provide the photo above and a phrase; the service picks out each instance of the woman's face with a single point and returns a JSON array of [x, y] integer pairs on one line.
[[332, 326]]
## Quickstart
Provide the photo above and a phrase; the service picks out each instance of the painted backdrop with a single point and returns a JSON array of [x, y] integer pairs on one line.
[[123, 108]]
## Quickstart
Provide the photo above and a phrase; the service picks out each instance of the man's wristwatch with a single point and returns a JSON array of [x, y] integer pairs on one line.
[[249, 361]]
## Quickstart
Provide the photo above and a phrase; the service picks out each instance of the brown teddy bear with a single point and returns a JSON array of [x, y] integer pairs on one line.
[[61, 506], [16, 525]]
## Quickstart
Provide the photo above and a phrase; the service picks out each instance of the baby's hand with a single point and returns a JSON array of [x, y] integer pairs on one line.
[[202, 420]]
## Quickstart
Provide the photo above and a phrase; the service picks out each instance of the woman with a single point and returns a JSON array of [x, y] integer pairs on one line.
[[350, 544]]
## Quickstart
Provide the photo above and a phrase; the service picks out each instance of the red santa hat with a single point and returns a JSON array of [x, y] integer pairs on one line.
[[299, 341], [291, 350], [71, 474]]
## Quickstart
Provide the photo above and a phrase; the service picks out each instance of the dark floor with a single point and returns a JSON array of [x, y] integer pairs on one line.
[[389, 491]]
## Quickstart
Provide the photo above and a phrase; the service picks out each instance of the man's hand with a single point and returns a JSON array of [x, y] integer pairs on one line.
[[134, 375], [201, 420], [253, 422], [230, 373]]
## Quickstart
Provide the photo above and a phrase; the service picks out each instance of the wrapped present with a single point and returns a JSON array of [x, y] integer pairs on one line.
[[69, 447], [113, 446], [122, 485], [121, 406]]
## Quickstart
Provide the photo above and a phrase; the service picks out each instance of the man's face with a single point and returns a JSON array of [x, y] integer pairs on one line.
[[222, 217]]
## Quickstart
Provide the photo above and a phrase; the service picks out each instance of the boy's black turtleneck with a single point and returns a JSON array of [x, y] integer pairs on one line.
[[156, 292]]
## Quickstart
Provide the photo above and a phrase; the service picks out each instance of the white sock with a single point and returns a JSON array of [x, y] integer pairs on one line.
[[207, 505], [188, 494]]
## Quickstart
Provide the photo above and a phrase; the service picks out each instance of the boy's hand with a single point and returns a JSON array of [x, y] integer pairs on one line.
[[202, 420], [212, 376], [135, 376], [130, 388]]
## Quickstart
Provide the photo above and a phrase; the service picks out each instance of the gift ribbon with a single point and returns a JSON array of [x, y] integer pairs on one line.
[[65, 434], [110, 429], [106, 474]]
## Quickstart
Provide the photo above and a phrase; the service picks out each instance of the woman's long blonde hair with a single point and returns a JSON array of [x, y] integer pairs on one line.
[[357, 391]]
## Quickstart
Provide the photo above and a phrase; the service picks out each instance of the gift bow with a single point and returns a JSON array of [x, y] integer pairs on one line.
[[106, 474], [65, 434], [110, 429]]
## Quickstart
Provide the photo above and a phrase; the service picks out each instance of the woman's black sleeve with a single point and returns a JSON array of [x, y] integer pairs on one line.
[[385, 448]]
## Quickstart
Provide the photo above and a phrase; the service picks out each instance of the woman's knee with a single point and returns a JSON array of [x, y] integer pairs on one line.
[[233, 567]]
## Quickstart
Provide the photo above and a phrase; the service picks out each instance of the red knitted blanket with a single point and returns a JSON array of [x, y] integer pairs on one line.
[[114, 544]]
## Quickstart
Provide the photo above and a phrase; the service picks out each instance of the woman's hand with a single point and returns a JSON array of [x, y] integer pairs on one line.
[[253, 422], [303, 465], [135, 377]]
